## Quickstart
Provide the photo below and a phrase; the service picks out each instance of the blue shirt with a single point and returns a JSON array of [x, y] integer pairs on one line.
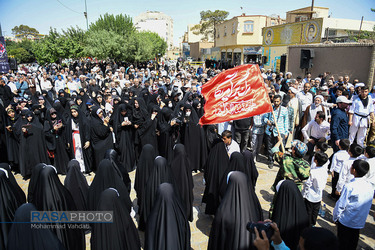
[[354, 205], [281, 246], [282, 121], [339, 124], [258, 125]]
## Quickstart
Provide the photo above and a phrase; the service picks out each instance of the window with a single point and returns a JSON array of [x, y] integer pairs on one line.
[[225, 30], [248, 27], [234, 28]]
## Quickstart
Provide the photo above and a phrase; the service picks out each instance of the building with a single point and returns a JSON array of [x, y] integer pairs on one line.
[[305, 26], [196, 49], [240, 38], [194, 44], [157, 22], [357, 60]]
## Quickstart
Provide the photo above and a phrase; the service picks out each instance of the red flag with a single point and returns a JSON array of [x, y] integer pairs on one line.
[[235, 94]]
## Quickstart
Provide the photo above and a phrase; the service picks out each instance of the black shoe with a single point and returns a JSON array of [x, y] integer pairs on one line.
[[270, 165]]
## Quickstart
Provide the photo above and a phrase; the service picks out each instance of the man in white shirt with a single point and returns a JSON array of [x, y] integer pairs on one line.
[[72, 85], [230, 144], [12, 85], [361, 109], [59, 84], [45, 84], [305, 97], [316, 131]]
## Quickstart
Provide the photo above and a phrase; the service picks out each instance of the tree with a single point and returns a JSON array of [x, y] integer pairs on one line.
[[104, 44], [208, 22], [24, 31], [22, 51], [120, 24]]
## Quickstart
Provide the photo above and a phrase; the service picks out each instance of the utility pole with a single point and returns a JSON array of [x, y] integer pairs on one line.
[[85, 14], [360, 28], [1, 32], [312, 9]]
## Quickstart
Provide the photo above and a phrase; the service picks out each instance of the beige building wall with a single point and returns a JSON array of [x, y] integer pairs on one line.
[[304, 14], [353, 59], [195, 49], [240, 38]]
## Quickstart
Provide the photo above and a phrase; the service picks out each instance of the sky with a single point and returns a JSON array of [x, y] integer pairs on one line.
[[61, 14]]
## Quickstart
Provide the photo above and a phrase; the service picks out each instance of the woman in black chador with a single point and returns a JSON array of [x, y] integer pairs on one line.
[[77, 185], [290, 213], [145, 125], [144, 169], [101, 135], [23, 236], [54, 130], [161, 173], [51, 195], [183, 179], [9, 203], [78, 139], [33, 149], [167, 226], [122, 233], [107, 177], [228, 229], [215, 167], [124, 131]]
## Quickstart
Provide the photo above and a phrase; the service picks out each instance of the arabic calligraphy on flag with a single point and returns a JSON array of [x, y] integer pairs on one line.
[[235, 94]]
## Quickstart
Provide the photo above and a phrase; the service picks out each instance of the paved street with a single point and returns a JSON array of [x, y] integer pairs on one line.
[[200, 227]]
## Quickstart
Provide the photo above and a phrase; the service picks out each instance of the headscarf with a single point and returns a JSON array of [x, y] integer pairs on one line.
[[228, 229], [167, 226], [290, 214], [121, 233], [24, 236]]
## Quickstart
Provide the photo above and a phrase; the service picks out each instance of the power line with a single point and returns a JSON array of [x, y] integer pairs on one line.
[[68, 7]]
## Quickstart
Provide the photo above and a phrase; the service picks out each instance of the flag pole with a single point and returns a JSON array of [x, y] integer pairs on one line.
[[278, 132]]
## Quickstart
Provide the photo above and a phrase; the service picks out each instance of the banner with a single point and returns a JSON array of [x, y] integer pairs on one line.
[[4, 65], [235, 94]]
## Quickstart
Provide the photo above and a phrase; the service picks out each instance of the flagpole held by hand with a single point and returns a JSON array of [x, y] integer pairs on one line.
[[278, 132]]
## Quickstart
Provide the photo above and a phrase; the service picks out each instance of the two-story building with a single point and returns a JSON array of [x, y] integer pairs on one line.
[[240, 38]]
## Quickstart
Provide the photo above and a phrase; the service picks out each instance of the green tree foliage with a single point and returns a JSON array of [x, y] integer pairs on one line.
[[22, 51], [24, 31], [120, 24], [56, 46], [110, 37], [208, 22], [104, 44]]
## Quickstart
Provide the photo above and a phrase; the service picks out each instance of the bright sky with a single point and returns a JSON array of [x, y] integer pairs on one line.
[[43, 14]]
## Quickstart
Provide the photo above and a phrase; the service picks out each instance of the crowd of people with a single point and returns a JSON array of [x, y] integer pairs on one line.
[[113, 118]]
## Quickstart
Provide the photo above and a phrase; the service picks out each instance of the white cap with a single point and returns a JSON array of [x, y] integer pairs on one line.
[[319, 96], [288, 73], [343, 99], [294, 90], [361, 84]]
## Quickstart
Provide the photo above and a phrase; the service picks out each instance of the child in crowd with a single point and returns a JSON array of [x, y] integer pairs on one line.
[[370, 158], [314, 186], [108, 105], [338, 160], [354, 205], [320, 147], [355, 153]]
